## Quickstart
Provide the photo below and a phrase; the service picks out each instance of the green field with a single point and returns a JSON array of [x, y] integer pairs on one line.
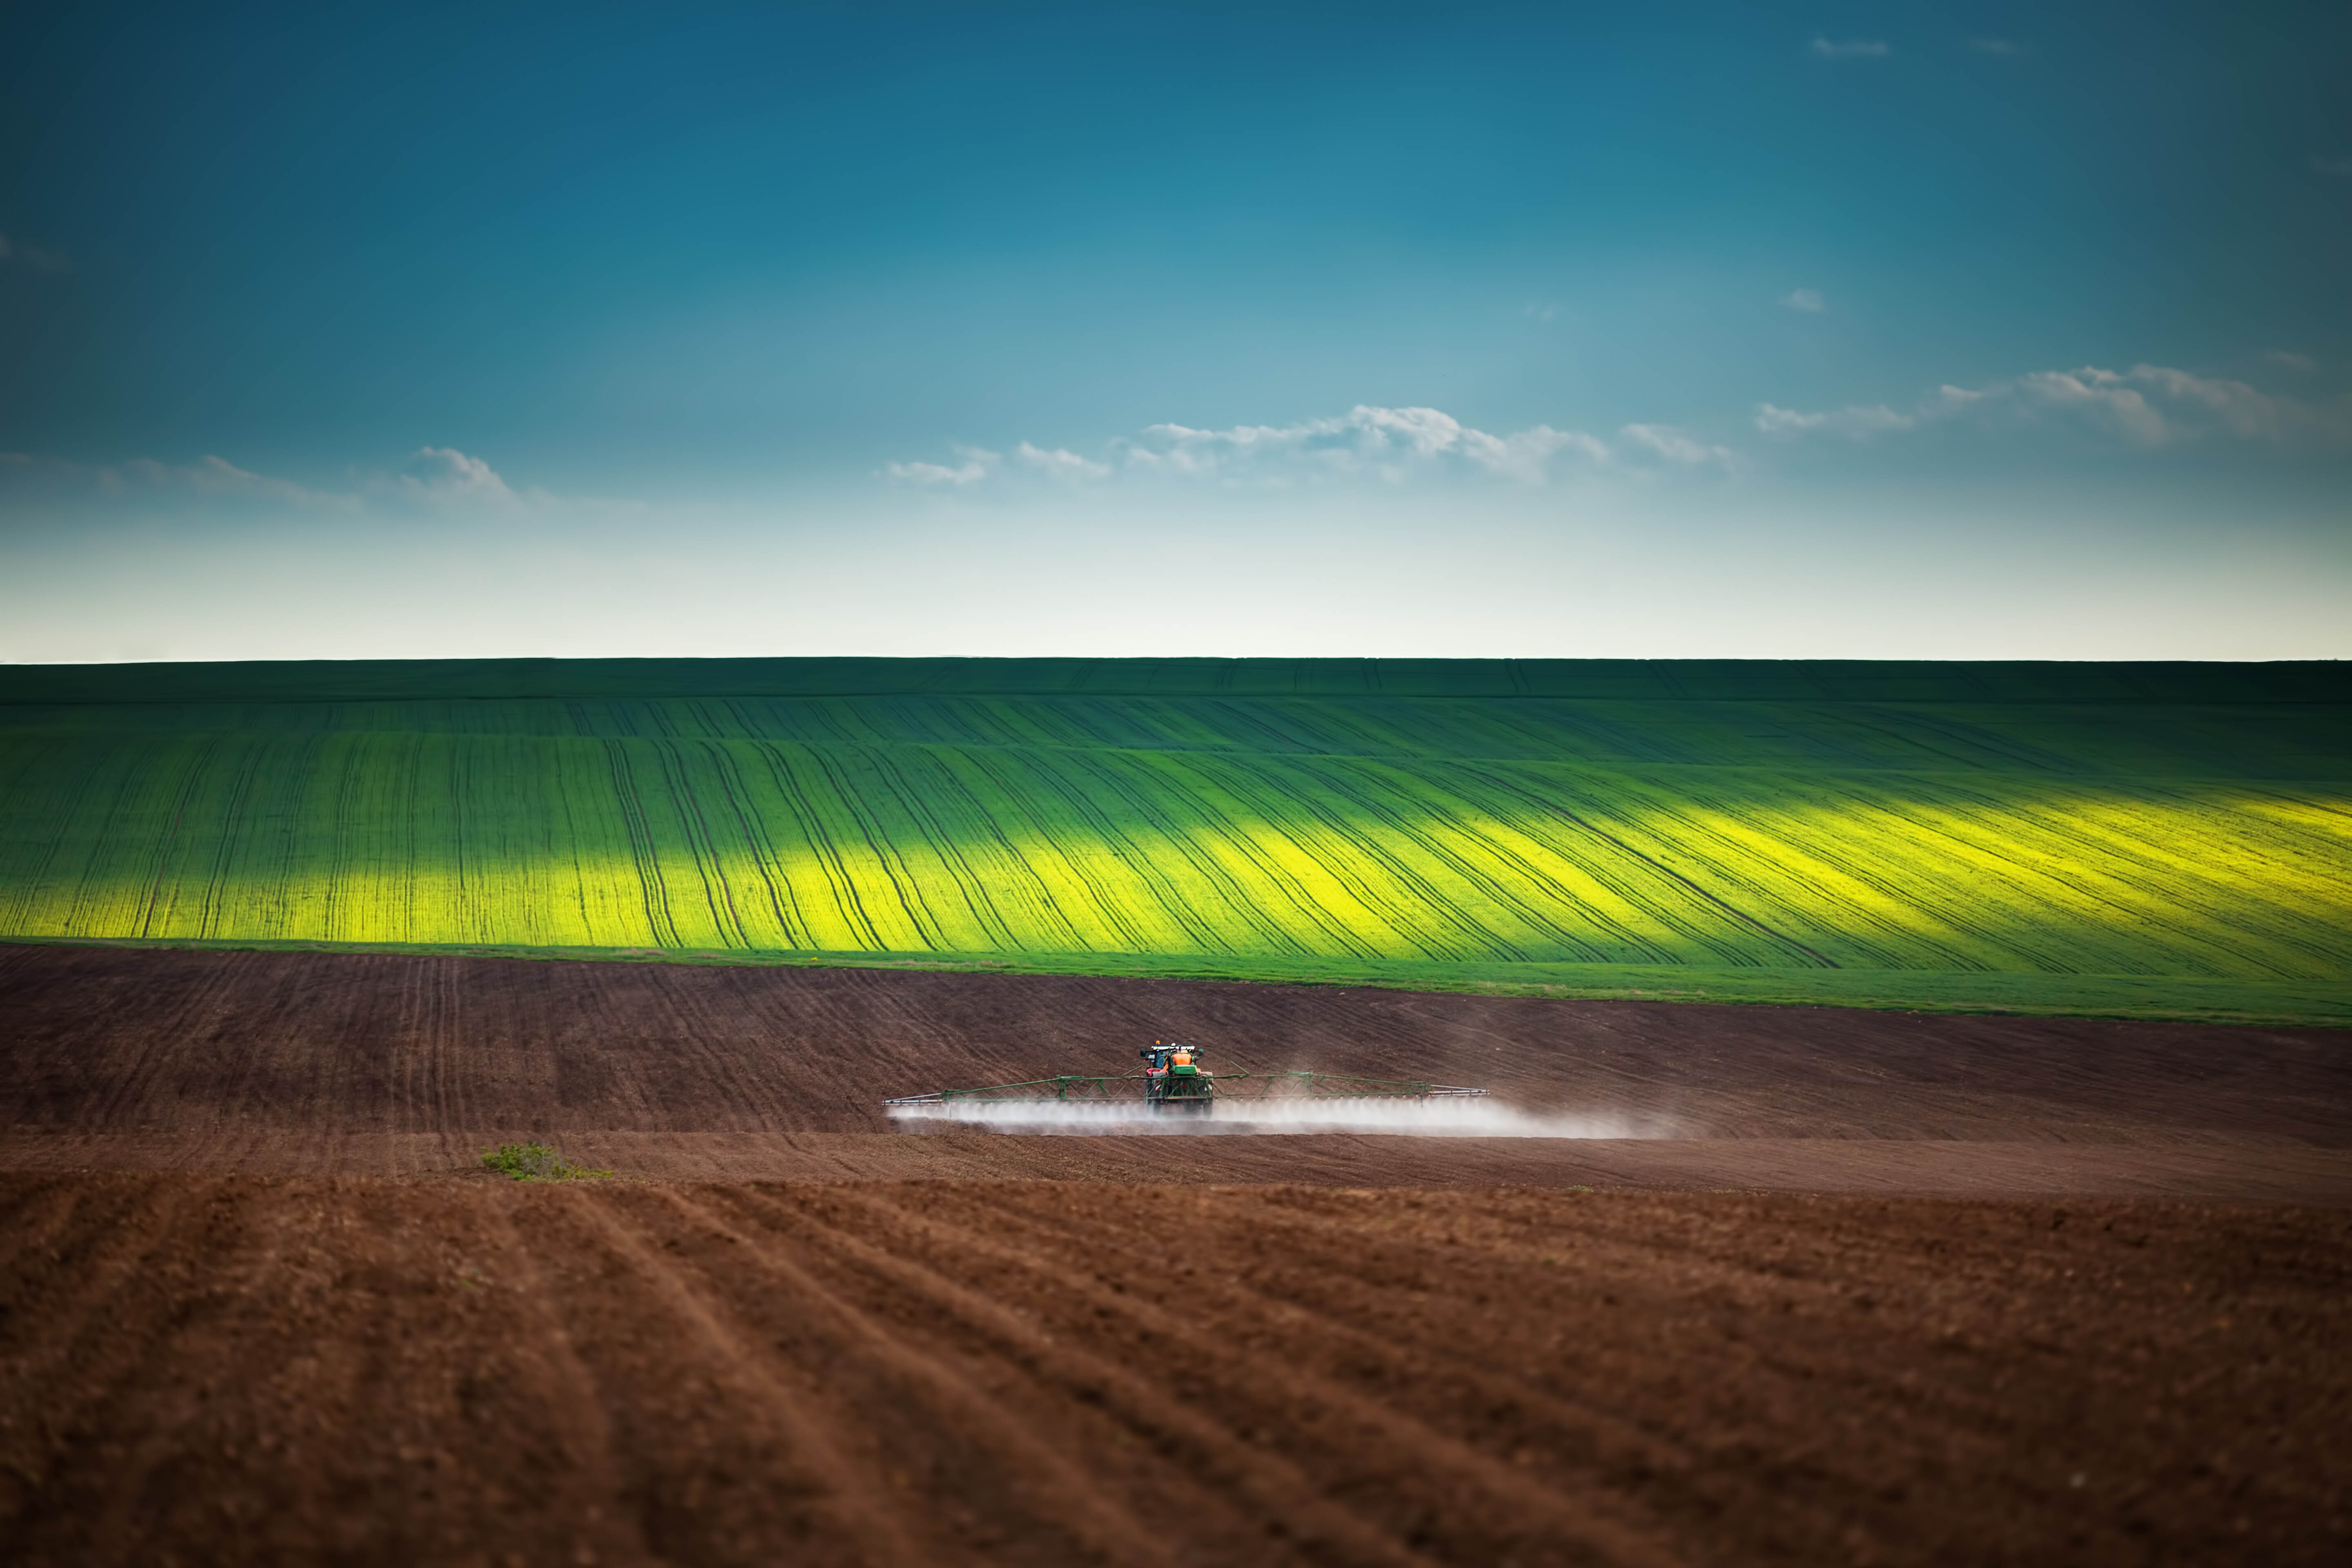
[[2130, 840]]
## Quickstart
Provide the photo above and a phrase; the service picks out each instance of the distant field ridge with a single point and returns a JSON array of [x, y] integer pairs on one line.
[[1718, 680]]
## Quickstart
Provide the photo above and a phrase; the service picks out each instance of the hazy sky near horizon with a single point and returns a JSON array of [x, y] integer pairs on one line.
[[1707, 330]]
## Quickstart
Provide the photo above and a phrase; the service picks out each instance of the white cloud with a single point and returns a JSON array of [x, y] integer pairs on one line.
[[438, 477], [2339, 166], [2147, 405], [1996, 46], [2101, 393], [445, 479], [2286, 358], [443, 476], [1390, 444], [1059, 463], [1383, 442], [1809, 300], [977, 465], [1675, 446], [1527, 454], [18, 253], [2255, 415], [1848, 48], [1855, 422], [210, 476], [1546, 311]]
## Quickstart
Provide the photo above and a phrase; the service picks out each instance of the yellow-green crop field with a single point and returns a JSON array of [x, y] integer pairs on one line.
[[2184, 857]]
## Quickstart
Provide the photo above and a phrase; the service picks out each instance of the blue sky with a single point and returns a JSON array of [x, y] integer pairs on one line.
[[1849, 330]]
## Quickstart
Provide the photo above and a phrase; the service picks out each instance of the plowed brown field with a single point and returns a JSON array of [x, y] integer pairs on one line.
[[254, 1306]]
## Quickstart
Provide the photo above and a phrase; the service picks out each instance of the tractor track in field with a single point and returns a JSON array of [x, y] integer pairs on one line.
[[326, 1063], [221, 1368], [1879, 1289]]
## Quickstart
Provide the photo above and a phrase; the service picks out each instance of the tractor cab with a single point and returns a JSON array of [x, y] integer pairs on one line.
[[1175, 1079]]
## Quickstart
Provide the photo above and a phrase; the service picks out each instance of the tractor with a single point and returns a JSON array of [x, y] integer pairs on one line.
[[1174, 1081]]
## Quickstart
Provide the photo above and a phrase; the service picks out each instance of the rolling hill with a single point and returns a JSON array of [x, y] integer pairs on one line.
[[2164, 840]]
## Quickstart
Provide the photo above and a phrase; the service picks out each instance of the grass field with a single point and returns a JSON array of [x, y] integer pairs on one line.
[[2145, 840]]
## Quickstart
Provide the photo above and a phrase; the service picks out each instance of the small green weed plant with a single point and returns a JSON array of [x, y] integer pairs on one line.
[[536, 1163]]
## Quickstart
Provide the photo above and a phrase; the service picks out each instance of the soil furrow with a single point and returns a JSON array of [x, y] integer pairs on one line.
[[1200, 1450], [1356, 1431], [1329, 1349], [703, 1384], [1052, 1493]]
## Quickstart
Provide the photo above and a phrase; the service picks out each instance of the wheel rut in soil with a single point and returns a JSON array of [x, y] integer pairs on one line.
[[286, 1369], [259, 1303], [325, 1064]]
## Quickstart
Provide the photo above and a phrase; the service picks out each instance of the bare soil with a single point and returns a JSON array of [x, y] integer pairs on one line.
[[229, 1369], [305, 1063], [257, 1304]]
